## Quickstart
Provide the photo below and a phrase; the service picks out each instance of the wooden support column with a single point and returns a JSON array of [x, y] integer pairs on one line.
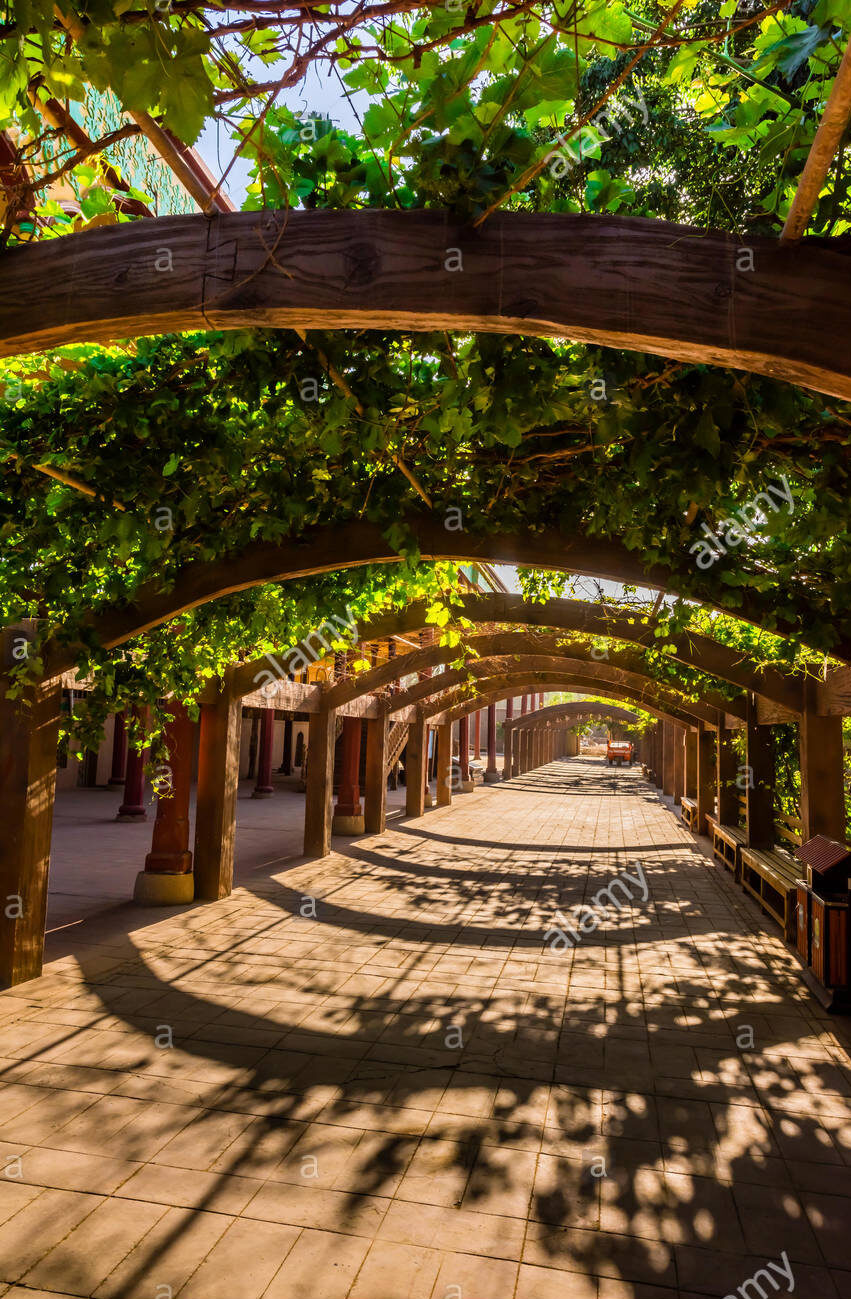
[[119, 750], [477, 734], [679, 764], [759, 785], [286, 767], [375, 791], [218, 781], [415, 764], [491, 773], [691, 764], [466, 783], [726, 792], [668, 758], [705, 776], [822, 772], [348, 814], [444, 765], [167, 879], [523, 705], [508, 748], [29, 733], [133, 804], [319, 784], [264, 787]]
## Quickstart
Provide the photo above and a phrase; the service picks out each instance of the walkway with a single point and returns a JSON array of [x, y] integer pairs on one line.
[[412, 1096]]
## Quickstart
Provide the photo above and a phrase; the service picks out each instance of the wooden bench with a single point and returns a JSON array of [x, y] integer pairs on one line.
[[727, 842], [770, 875], [688, 811]]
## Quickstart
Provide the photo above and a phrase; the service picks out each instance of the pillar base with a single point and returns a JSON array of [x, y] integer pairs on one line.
[[115, 780], [132, 816], [168, 863], [262, 793], [429, 799], [156, 889], [348, 825], [467, 786], [491, 777]]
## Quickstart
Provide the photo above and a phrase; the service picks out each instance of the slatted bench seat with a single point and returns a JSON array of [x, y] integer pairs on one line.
[[769, 875], [688, 808], [727, 842]]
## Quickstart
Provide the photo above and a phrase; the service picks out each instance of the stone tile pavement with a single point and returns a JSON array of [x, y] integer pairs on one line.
[[373, 1077]]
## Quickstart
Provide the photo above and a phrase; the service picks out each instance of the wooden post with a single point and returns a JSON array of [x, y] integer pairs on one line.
[[477, 734], [491, 773], [759, 786], [167, 879], [668, 758], [348, 814], [507, 748], [119, 750], [725, 777], [29, 733], [822, 773], [679, 764], [705, 776], [444, 765], [375, 791], [691, 764], [264, 787], [286, 766], [218, 782], [415, 764], [465, 784], [321, 733], [133, 804]]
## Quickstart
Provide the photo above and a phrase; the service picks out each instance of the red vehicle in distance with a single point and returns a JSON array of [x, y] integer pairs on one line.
[[619, 753]]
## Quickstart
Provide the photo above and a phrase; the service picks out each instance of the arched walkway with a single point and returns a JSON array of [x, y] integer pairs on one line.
[[537, 1051]]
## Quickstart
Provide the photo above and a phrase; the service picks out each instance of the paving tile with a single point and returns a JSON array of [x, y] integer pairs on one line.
[[319, 1047], [321, 1265], [244, 1260], [81, 1261]]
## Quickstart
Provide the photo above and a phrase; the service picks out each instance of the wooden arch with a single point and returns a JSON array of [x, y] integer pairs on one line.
[[332, 548], [435, 693], [515, 683], [500, 651], [585, 710], [575, 711], [624, 282]]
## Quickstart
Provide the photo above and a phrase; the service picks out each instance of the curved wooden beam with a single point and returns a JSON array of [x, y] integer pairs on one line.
[[785, 690], [581, 711], [624, 282], [584, 679], [332, 548], [432, 688], [558, 712], [497, 688]]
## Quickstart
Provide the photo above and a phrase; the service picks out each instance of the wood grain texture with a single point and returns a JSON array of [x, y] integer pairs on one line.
[[623, 282], [531, 654], [331, 548], [492, 689], [701, 652]]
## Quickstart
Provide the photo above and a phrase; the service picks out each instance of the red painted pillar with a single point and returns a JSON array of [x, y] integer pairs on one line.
[[491, 773], [464, 754], [348, 814], [264, 787], [167, 877], [119, 750], [524, 708], [133, 804], [509, 709], [477, 734]]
